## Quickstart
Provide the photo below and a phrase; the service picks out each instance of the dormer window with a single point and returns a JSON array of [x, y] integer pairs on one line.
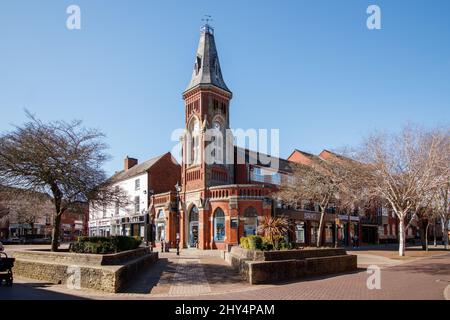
[[198, 64]]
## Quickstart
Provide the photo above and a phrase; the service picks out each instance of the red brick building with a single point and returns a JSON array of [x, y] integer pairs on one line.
[[220, 201]]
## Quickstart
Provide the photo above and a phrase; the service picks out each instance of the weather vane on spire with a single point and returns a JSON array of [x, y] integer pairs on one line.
[[207, 18], [207, 28]]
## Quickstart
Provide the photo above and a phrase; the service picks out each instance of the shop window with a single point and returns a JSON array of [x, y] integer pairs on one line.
[[300, 232], [250, 222], [314, 231], [219, 225], [328, 233]]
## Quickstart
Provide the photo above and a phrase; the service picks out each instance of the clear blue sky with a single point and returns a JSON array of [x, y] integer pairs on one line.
[[310, 68]]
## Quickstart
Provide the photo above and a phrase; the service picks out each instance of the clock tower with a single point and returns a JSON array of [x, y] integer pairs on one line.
[[207, 151]]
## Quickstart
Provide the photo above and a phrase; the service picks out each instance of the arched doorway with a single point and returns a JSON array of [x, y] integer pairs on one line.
[[250, 221], [193, 227], [219, 225], [161, 226]]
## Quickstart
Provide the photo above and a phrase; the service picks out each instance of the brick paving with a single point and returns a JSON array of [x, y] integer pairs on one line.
[[189, 279], [204, 275]]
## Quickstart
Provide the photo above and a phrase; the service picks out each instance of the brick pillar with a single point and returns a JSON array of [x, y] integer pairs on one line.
[[183, 239], [202, 229]]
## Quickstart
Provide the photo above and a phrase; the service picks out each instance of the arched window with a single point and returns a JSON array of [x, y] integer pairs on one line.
[[193, 227], [250, 221], [217, 140], [194, 132], [161, 225], [219, 225]]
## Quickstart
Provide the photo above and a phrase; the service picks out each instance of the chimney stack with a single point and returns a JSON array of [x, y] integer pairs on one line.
[[130, 163]]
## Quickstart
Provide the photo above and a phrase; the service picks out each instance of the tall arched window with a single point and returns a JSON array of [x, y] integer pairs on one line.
[[250, 221], [194, 132], [217, 140], [161, 225], [219, 225], [193, 227]]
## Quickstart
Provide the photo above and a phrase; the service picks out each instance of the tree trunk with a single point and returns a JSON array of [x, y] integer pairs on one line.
[[426, 236], [423, 236], [434, 233], [56, 231], [319, 236], [445, 233], [32, 228], [402, 237]]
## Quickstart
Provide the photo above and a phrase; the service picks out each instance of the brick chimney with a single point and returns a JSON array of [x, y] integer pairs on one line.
[[130, 163]]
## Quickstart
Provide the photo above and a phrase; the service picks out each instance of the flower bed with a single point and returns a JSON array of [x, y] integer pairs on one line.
[[264, 244], [105, 245]]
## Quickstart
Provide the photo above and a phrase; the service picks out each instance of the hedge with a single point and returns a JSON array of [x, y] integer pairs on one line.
[[255, 243], [104, 245], [262, 243]]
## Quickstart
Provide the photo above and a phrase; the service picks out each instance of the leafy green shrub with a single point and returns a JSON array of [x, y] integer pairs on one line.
[[244, 243], [104, 245], [266, 245], [255, 242]]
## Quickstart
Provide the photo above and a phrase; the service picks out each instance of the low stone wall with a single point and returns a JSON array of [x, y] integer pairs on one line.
[[260, 272], [302, 254], [106, 273], [81, 258], [259, 267]]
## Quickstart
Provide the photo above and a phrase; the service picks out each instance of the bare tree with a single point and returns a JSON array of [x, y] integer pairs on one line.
[[442, 207], [322, 182], [26, 207], [402, 170], [60, 159]]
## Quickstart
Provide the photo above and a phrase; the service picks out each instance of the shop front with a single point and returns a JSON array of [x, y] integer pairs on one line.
[[348, 227], [133, 226], [305, 227]]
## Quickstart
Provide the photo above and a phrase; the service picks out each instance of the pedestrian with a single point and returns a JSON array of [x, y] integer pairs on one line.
[[356, 241], [353, 241]]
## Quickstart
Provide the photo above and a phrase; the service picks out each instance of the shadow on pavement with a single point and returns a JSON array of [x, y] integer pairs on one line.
[[439, 265], [34, 291], [162, 270], [318, 277]]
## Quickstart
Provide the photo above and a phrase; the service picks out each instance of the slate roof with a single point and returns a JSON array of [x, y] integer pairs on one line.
[[283, 164], [136, 170], [207, 69]]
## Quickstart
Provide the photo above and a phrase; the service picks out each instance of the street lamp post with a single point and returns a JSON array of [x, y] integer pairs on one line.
[[146, 220], [178, 190]]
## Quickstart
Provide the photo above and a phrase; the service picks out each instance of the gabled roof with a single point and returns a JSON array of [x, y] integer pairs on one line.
[[206, 66], [137, 169], [302, 157]]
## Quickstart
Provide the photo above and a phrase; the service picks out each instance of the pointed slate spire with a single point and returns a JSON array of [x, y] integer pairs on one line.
[[206, 66]]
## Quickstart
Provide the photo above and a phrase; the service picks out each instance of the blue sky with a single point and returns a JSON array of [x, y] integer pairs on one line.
[[310, 68]]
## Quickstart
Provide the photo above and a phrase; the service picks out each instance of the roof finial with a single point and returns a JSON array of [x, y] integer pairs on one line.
[[207, 28], [207, 18]]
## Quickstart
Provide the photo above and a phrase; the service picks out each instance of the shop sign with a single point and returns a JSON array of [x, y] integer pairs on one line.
[[311, 216], [234, 222]]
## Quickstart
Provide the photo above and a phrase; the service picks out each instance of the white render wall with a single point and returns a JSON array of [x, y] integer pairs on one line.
[[129, 187]]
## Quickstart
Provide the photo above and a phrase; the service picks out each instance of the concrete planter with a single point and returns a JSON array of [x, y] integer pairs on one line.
[[109, 273], [259, 267]]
